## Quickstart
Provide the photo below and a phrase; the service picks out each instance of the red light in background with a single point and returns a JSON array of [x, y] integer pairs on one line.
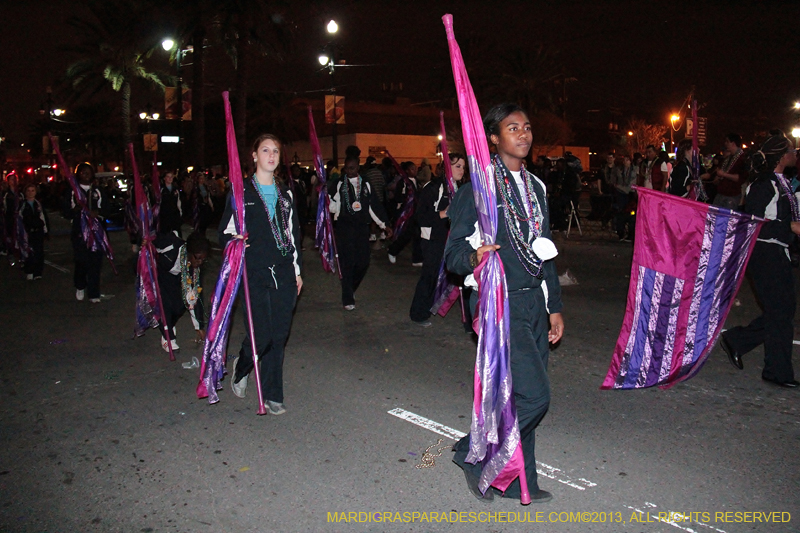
[[30, 171], [55, 166]]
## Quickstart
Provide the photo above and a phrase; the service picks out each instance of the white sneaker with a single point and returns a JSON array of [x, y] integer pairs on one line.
[[392, 259], [373, 237], [416, 264], [240, 388], [349, 307], [94, 300], [29, 277], [80, 294], [173, 342], [383, 235], [275, 408]]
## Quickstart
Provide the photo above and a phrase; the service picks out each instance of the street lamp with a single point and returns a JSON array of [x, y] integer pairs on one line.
[[796, 133], [169, 45], [673, 119], [326, 59]]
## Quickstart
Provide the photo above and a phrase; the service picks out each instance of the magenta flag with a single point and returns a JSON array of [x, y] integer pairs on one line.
[[92, 231], [688, 264], [212, 368], [324, 240], [446, 293], [494, 433]]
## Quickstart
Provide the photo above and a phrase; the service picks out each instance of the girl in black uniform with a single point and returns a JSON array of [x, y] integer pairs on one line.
[[179, 280], [35, 223], [770, 196], [273, 268], [534, 294], [88, 263], [354, 205]]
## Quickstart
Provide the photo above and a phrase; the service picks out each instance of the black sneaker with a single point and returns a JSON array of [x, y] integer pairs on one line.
[[472, 484]]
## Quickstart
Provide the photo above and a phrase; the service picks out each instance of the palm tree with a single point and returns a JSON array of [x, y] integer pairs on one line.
[[114, 45], [250, 29]]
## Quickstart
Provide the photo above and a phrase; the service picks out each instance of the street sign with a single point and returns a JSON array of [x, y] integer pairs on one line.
[[701, 130]]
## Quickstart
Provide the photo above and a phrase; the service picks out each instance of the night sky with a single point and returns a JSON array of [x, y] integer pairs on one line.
[[642, 58]]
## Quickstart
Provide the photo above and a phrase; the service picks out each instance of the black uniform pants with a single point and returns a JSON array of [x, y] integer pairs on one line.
[[410, 234], [34, 264], [773, 282], [530, 350], [273, 294], [432, 253], [352, 244], [172, 300], [87, 269]]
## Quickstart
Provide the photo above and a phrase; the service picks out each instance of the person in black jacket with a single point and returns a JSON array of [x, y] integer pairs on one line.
[[354, 205], [179, 281], [273, 268], [88, 263], [34, 221], [682, 177], [432, 218], [770, 196], [534, 293], [170, 214]]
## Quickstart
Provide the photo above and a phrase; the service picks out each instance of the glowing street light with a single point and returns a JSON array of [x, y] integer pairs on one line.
[[332, 27], [796, 133], [674, 119], [167, 44], [59, 112], [324, 59], [630, 134], [797, 105]]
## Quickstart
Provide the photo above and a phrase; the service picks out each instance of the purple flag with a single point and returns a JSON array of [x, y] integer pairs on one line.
[[324, 240], [230, 275], [156, 185], [688, 263], [494, 433]]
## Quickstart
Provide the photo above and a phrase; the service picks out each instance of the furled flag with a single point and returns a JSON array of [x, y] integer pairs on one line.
[[688, 263], [446, 293], [149, 306], [407, 211], [494, 433], [324, 239], [698, 191], [212, 368], [92, 231]]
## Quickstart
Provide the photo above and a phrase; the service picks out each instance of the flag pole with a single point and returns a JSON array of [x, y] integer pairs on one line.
[[256, 360]]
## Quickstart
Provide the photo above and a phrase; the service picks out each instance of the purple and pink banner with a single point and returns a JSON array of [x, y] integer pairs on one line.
[[688, 264], [494, 433]]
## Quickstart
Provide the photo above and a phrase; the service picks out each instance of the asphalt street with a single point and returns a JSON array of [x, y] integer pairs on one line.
[[101, 432]]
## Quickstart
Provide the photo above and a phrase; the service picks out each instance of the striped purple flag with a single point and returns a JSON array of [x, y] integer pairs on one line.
[[494, 433], [688, 263]]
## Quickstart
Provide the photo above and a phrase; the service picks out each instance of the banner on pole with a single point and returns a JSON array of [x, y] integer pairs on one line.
[[334, 107]]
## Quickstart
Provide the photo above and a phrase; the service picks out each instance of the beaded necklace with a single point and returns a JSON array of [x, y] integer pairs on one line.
[[787, 190], [731, 160], [515, 213], [354, 206], [189, 282], [279, 226]]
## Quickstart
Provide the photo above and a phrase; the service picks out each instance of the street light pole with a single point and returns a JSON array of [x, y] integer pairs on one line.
[[332, 28]]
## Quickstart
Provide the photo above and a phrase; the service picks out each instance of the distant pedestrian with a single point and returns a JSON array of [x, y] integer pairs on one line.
[[33, 219]]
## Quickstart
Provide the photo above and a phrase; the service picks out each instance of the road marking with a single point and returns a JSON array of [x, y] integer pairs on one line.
[[62, 269], [542, 469], [430, 425]]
